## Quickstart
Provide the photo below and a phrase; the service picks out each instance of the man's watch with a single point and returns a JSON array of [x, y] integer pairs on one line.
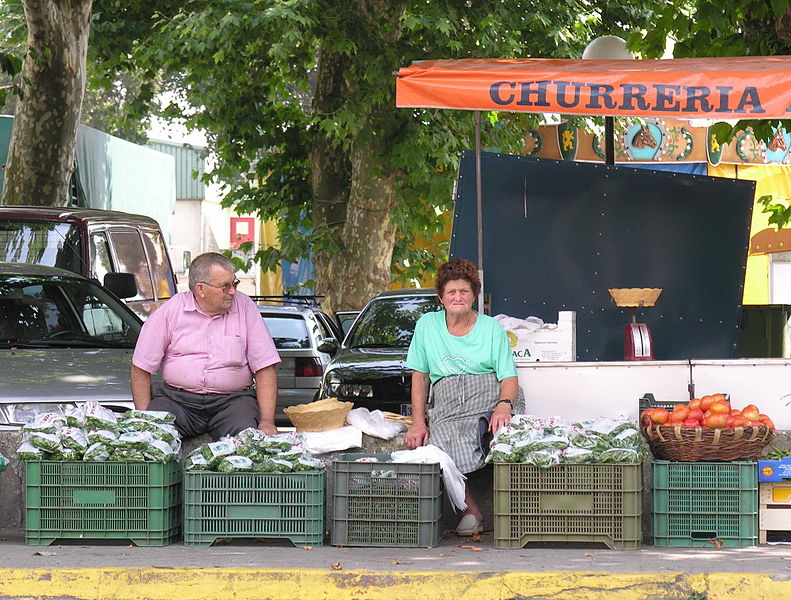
[[506, 401]]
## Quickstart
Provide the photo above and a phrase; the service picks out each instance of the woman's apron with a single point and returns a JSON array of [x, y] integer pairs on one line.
[[457, 404]]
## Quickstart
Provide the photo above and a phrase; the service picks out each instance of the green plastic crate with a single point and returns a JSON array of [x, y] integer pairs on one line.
[[697, 504], [137, 501], [385, 504], [568, 503], [254, 505]]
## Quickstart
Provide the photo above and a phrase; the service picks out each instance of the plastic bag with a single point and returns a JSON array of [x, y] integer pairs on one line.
[[333, 440], [3, 462], [453, 478], [373, 423]]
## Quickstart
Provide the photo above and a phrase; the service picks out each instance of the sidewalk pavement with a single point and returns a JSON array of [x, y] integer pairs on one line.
[[458, 569]]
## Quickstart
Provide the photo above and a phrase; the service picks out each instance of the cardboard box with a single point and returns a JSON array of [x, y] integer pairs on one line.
[[547, 344], [774, 470]]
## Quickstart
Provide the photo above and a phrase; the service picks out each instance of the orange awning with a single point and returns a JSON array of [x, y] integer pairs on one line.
[[703, 88]]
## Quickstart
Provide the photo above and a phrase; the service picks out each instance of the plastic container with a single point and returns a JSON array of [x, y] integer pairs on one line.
[[704, 504], [137, 501], [568, 503], [254, 505], [385, 504]]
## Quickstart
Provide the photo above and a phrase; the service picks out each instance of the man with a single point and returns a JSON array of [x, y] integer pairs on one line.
[[211, 343]]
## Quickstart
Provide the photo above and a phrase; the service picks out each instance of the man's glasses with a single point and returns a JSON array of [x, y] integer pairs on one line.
[[225, 288]]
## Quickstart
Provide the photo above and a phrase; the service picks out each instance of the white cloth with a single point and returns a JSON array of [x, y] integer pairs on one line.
[[374, 423]]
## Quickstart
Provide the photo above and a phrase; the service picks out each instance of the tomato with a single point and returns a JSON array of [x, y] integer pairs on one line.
[[695, 413], [736, 412], [691, 423], [707, 413], [694, 403], [660, 416], [720, 408], [740, 421], [720, 397], [729, 419], [751, 412], [768, 422], [680, 412], [715, 421], [645, 417], [706, 402]]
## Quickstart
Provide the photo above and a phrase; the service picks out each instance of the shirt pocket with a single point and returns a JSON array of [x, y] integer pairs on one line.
[[233, 351]]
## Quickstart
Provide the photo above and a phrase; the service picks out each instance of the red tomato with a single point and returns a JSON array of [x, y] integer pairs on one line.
[[751, 412], [736, 412], [646, 416], [694, 403], [768, 422], [660, 416], [691, 423], [695, 413], [720, 407], [715, 421], [706, 402], [740, 421], [680, 412], [720, 397]]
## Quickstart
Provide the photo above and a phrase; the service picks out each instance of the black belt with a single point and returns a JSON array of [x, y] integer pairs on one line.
[[173, 387]]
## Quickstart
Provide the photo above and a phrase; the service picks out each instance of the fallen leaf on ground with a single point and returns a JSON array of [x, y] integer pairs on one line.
[[130, 546], [473, 548], [443, 554], [307, 547], [336, 566], [587, 554], [43, 553]]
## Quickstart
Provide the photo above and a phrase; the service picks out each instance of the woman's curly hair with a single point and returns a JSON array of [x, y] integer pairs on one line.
[[458, 268]]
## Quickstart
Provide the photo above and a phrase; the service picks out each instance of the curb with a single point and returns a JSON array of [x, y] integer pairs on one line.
[[320, 584]]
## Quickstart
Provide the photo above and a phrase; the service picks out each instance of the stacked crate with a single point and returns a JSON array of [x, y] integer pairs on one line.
[[254, 505], [774, 495], [136, 501], [699, 504], [568, 503]]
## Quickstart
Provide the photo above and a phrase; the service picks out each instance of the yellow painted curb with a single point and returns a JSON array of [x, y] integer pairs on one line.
[[320, 584]]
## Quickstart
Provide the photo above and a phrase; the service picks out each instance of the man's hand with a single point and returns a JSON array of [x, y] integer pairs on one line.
[[417, 436], [267, 428]]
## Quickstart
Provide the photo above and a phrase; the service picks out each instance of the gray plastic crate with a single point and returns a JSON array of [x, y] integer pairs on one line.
[[385, 504]]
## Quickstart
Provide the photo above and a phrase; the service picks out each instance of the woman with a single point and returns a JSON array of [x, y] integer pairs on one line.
[[462, 364]]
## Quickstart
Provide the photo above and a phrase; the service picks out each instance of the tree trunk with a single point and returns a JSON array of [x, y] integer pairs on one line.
[[353, 197], [41, 156]]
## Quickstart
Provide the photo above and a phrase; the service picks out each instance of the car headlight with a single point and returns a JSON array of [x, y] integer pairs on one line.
[[19, 414]]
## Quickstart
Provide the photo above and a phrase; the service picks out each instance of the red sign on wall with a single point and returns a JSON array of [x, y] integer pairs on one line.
[[242, 230]]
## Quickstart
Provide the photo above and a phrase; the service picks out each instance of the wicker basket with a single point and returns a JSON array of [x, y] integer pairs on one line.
[[635, 297], [393, 417], [699, 444], [321, 415]]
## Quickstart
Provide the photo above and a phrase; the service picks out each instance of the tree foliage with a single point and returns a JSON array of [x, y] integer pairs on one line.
[[297, 97]]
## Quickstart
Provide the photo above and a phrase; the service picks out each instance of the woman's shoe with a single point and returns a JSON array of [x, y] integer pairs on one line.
[[469, 525]]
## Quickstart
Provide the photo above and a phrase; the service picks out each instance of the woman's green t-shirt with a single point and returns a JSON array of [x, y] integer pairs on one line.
[[483, 350]]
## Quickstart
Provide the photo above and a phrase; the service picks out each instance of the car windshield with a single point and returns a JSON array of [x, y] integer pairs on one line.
[[389, 322], [57, 312], [288, 333], [41, 243]]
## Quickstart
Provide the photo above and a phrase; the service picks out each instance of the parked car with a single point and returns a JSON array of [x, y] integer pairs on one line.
[[369, 370], [306, 339], [63, 339], [92, 243], [346, 319]]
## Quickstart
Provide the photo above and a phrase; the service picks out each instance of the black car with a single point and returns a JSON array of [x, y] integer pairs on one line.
[[369, 369]]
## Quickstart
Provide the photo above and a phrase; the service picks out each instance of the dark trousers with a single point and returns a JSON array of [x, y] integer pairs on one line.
[[215, 414]]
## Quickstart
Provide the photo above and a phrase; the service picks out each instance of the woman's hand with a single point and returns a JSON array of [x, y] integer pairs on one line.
[[500, 417], [416, 436]]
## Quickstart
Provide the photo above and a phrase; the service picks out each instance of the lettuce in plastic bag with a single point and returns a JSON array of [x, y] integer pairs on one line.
[[45, 441], [153, 416], [45, 423], [28, 451], [97, 452], [99, 417], [543, 458], [234, 463]]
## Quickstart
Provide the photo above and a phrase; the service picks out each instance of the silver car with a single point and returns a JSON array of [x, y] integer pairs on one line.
[[64, 339], [306, 339]]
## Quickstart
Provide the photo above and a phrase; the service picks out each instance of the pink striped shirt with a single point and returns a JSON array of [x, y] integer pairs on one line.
[[205, 354]]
